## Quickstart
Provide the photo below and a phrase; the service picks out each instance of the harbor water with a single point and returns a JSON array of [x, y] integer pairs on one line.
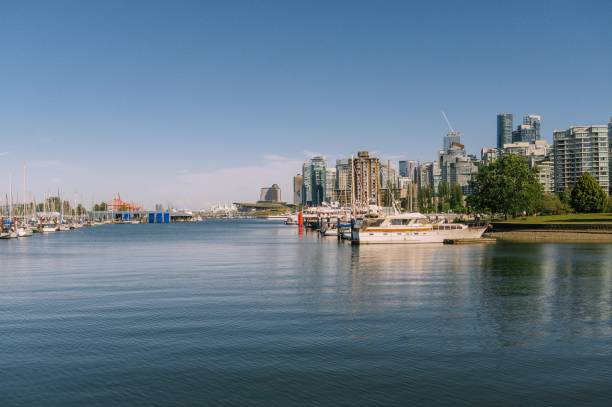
[[235, 313]]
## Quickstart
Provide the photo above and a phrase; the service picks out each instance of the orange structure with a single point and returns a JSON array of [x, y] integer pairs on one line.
[[118, 205]]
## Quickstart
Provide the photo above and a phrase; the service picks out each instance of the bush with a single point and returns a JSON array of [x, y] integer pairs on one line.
[[552, 205]]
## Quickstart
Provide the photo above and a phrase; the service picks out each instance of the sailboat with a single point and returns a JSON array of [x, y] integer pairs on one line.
[[24, 230]]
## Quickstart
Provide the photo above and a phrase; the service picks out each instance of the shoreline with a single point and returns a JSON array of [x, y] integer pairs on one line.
[[552, 232]]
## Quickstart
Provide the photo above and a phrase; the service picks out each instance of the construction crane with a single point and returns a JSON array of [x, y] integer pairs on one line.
[[447, 121]]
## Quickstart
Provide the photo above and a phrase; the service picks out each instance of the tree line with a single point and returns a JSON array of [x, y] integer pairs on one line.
[[447, 198], [509, 186]]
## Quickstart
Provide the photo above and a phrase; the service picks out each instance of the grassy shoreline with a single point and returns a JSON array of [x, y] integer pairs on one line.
[[573, 218]]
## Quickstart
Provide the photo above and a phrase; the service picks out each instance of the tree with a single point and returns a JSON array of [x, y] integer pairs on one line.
[[443, 196], [566, 196], [552, 205], [425, 199], [456, 199], [506, 186], [101, 207], [588, 196]]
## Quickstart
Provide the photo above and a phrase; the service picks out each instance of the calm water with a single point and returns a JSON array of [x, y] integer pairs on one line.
[[250, 313]]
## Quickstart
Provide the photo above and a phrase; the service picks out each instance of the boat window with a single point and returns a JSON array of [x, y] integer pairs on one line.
[[374, 222]]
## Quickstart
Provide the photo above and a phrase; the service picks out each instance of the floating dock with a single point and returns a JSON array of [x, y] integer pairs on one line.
[[486, 240]]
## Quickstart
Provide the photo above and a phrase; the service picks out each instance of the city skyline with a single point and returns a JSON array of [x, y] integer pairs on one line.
[[195, 104]]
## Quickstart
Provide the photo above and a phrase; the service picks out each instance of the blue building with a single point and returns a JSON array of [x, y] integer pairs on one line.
[[529, 131], [504, 129]]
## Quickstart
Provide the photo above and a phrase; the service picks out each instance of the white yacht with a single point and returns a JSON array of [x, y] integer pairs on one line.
[[63, 227], [49, 227], [276, 217], [24, 231], [410, 228]]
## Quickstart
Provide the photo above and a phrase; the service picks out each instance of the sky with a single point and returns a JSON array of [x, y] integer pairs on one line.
[[190, 103]]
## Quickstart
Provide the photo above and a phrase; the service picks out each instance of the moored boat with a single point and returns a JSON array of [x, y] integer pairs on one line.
[[24, 231], [49, 227], [410, 228]]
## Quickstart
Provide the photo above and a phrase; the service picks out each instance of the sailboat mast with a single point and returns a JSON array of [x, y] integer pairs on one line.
[[24, 193], [10, 195]]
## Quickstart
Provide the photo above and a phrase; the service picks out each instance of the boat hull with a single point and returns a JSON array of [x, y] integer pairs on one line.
[[414, 237]]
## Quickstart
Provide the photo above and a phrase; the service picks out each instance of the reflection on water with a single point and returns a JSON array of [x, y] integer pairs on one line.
[[234, 313]]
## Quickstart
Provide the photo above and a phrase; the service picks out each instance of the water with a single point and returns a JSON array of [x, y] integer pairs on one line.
[[250, 313]]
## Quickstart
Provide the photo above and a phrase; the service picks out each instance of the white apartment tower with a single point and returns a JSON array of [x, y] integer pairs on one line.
[[581, 149]]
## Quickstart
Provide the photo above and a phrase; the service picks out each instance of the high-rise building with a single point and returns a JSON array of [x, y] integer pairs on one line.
[[298, 180], [330, 185], [546, 173], [581, 149], [424, 174], [452, 137], [610, 151], [403, 168], [389, 183], [313, 188], [366, 179], [504, 129], [271, 194], [456, 167], [529, 130], [407, 169], [343, 181]]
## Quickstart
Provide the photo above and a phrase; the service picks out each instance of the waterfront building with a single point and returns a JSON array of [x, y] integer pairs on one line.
[[546, 173], [330, 185], [529, 130], [271, 194], [343, 181], [408, 193], [389, 182], [435, 175], [581, 149], [313, 187], [456, 167], [408, 170], [403, 168], [366, 179], [452, 137], [298, 181], [504, 129], [424, 174]]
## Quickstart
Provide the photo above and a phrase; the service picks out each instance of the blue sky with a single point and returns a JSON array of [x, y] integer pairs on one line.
[[191, 103]]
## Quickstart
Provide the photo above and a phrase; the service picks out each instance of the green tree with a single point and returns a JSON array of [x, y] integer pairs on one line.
[[425, 199], [507, 186], [443, 196], [456, 199], [101, 207], [588, 196], [552, 205], [566, 196]]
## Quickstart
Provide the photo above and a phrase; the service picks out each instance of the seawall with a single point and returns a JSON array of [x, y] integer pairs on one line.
[[552, 232]]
